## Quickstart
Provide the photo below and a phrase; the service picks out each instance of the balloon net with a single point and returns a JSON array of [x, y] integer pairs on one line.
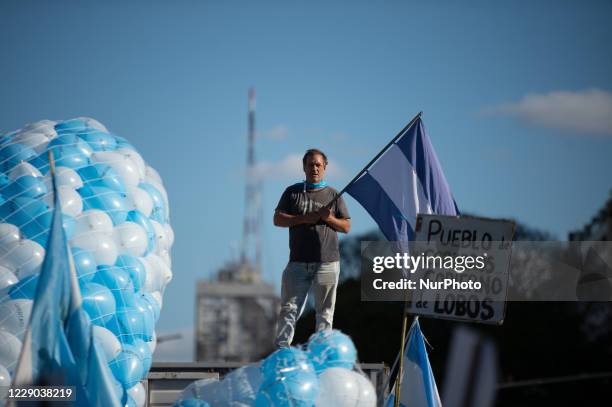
[[115, 215]]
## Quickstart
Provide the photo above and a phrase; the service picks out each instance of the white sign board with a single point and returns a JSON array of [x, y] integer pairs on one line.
[[488, 239]]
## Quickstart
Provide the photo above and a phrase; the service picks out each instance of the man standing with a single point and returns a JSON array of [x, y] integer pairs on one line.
[[314, 257]]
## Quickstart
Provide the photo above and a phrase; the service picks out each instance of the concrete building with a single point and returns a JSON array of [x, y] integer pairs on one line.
[[235, 316]]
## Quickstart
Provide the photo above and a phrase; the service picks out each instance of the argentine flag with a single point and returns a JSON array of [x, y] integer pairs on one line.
[[406, 180], [58, 347], [418, 387]]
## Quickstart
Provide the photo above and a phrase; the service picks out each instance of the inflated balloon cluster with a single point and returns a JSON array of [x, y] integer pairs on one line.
[[115, 216], [322, 375]]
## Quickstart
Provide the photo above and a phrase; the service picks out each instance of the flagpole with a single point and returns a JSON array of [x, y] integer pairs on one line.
[[400, 371], [381, 152]]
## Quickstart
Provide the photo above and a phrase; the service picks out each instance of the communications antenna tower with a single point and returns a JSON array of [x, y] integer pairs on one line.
[[251, 228]]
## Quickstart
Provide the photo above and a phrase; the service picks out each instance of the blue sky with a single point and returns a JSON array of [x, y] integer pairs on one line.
[[516, 98]]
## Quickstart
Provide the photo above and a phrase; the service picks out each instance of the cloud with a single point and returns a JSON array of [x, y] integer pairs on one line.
[[586, 111], [176, 350], [290, 167], [276, 133]]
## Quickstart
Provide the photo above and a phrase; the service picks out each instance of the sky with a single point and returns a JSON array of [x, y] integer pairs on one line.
[[516, 98]]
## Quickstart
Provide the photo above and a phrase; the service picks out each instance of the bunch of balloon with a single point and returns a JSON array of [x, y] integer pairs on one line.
[[116, 218], [334, 358]]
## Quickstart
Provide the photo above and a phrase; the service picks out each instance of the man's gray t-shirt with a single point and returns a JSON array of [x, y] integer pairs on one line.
[[312, 243]]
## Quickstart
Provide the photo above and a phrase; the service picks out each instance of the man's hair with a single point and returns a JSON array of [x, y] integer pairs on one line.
[[314, 151]]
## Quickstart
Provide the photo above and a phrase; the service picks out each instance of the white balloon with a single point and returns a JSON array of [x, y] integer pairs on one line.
[[107, 341], [9, 233], [367, 392], [93, 123], [140, 199], [46, 127], [158, 275], [15, 316], [70, 200], [10, 346], [153, 342], [22, 169], [7, 277], [158, 297], [23, 257], [101, 245], [130, 238], [163, 274], [340, 387], [122, 165], [34, 139], [161, 239], [165, 256], [137, 392], [93, 221], [164, 194], [69, 177], [151, 175], [136, 159], [154, 277], [170, 234]]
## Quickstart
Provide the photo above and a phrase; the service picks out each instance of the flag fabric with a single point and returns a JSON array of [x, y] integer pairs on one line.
[[58, 347], [405, 181], [418, 387]]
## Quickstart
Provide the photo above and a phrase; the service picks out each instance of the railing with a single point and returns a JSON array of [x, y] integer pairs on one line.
[[166, 380]]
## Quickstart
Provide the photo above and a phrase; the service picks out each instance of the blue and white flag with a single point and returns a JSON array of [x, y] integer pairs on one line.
[[58, 347], [418, 386], [405, 181]]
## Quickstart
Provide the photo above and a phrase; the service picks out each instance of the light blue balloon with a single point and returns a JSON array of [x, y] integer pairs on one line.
[[285, 362], [148, 318], [70, 140], [25, 187], [152, 304], [127, 367], [101, 175], [139, 218], [331, 349], [118, 281], [24, 288], [142, 348], [159, 212], [22, 210], [98, 140], [64, 156], [130, 402], [38, 228], [132, 324], [84, 263], [107, 200], [134, 268], [98, 302], [13, 154], [299, 390], [70, 125]]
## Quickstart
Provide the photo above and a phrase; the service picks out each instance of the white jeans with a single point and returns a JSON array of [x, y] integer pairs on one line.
[[297, 280]]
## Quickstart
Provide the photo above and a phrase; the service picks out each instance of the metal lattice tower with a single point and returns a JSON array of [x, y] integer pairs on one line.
[[251, 229]]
